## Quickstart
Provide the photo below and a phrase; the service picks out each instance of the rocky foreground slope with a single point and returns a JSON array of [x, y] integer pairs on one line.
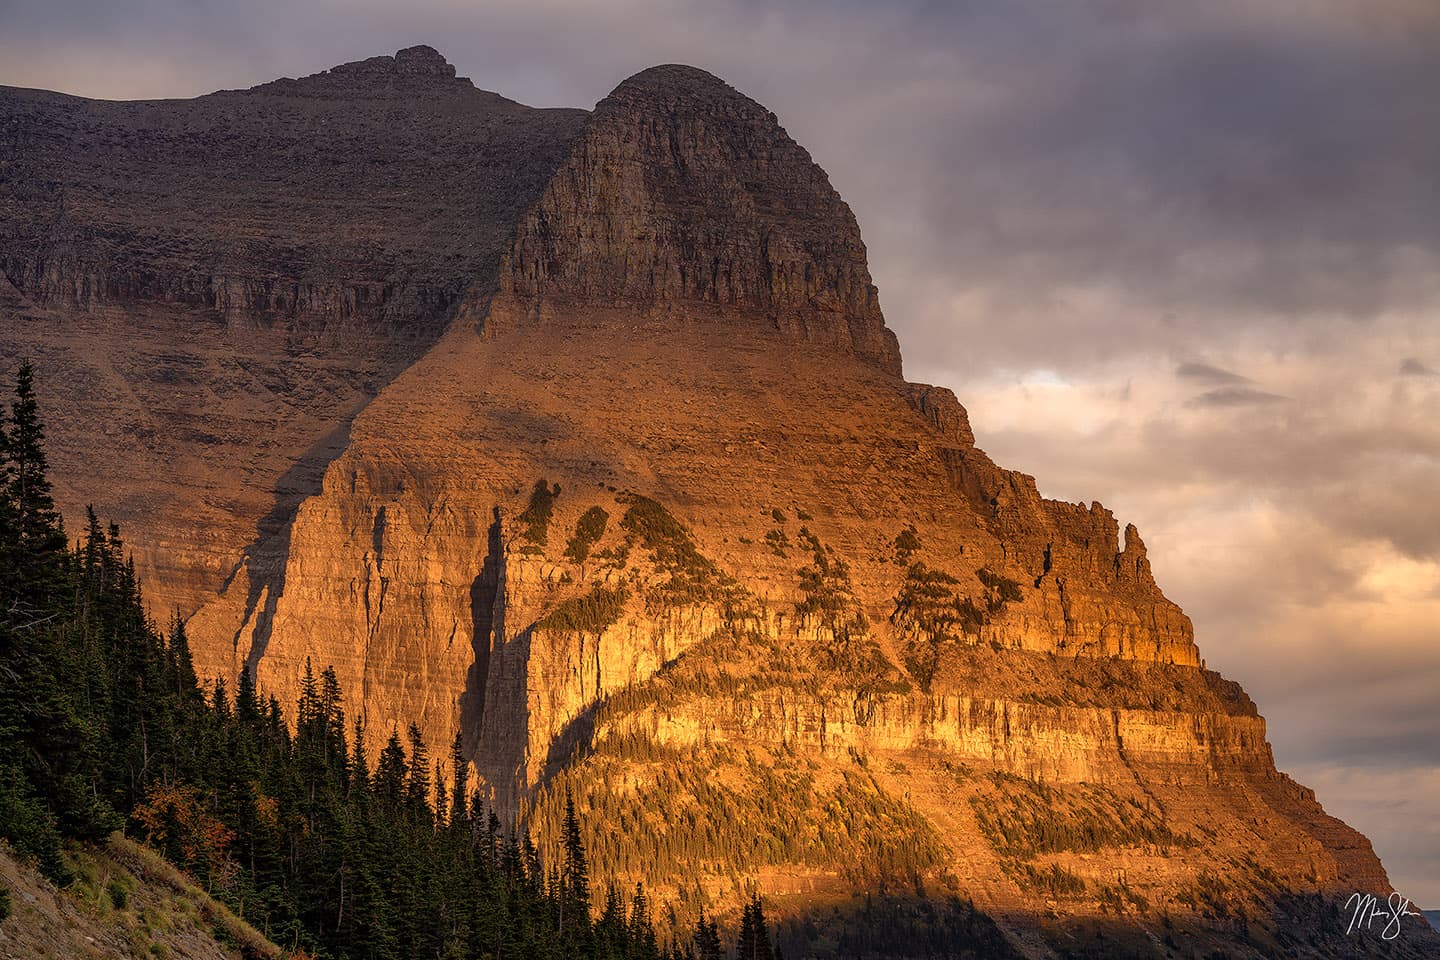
[[125, 902], [583, 434]]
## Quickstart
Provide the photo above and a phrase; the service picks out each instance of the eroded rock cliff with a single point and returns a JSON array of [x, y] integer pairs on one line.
[[684, 191], [211, 288], [655, 519]]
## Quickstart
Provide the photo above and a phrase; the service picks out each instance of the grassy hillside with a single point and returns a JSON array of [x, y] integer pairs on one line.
[[126, 901]]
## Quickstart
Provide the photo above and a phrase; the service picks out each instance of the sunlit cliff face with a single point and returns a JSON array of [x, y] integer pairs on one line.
[[1179, 258], [1288, 491]]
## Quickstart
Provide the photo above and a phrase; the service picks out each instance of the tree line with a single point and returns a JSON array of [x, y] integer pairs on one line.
[[104, 725]]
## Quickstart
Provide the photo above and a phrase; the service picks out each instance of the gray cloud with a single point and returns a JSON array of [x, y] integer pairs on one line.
[[1233, 397], [1413, 367], [1208, 374]]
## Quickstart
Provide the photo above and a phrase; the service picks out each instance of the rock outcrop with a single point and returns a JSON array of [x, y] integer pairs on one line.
[[614, 472], [683, 191]]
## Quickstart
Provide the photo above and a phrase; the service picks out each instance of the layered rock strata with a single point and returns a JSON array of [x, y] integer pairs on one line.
[[211, 288], [681, 191], [636, 499]]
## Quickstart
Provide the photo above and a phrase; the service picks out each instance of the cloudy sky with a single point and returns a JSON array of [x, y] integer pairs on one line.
[[1183, 258]]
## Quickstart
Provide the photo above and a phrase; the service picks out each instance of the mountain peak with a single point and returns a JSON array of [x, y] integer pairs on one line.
[[682, 190], [411, 62], [422, 59], [672, 79], [419, 73], [680, 89]]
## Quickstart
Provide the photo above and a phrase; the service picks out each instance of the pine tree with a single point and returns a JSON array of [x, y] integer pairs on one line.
[[331, 720], [576, 892], [32, 539], [183, 682], [10, 556], [442, 798], [247, 702], [707, 938], [612, 929], [460, 795], [40, 533], [220, 702], [359, 763], [417, 790], [493, 836], [641, 933], [754, 941], [391, 771], [308, 708]]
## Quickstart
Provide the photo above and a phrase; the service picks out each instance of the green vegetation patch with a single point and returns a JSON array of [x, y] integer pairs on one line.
[[118, 890], [593, 613], [929, 604], [1054, 880], [652, 526], [588, 531], [830, 597], [729, 665], [689, 577], [1023, 819], [907, 544], [697, 813], [536, 518], [930, 611], [1120, 898], [999, 590]]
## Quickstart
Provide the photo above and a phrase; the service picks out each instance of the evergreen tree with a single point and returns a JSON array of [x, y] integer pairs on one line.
[[707, 938], [32, 539], [359, 763], [613, 928], [754, 941], [308, 709], [183, 683], [37, 522], [417, 790], [641, 937], [576, 893], [391, 771], [247, 701], [442, 798], [460, 795], [10, 555]]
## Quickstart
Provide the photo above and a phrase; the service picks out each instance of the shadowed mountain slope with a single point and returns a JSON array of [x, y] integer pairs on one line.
[[214, 286]]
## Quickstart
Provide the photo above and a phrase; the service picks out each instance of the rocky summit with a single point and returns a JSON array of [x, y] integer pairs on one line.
[[582, 434]]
